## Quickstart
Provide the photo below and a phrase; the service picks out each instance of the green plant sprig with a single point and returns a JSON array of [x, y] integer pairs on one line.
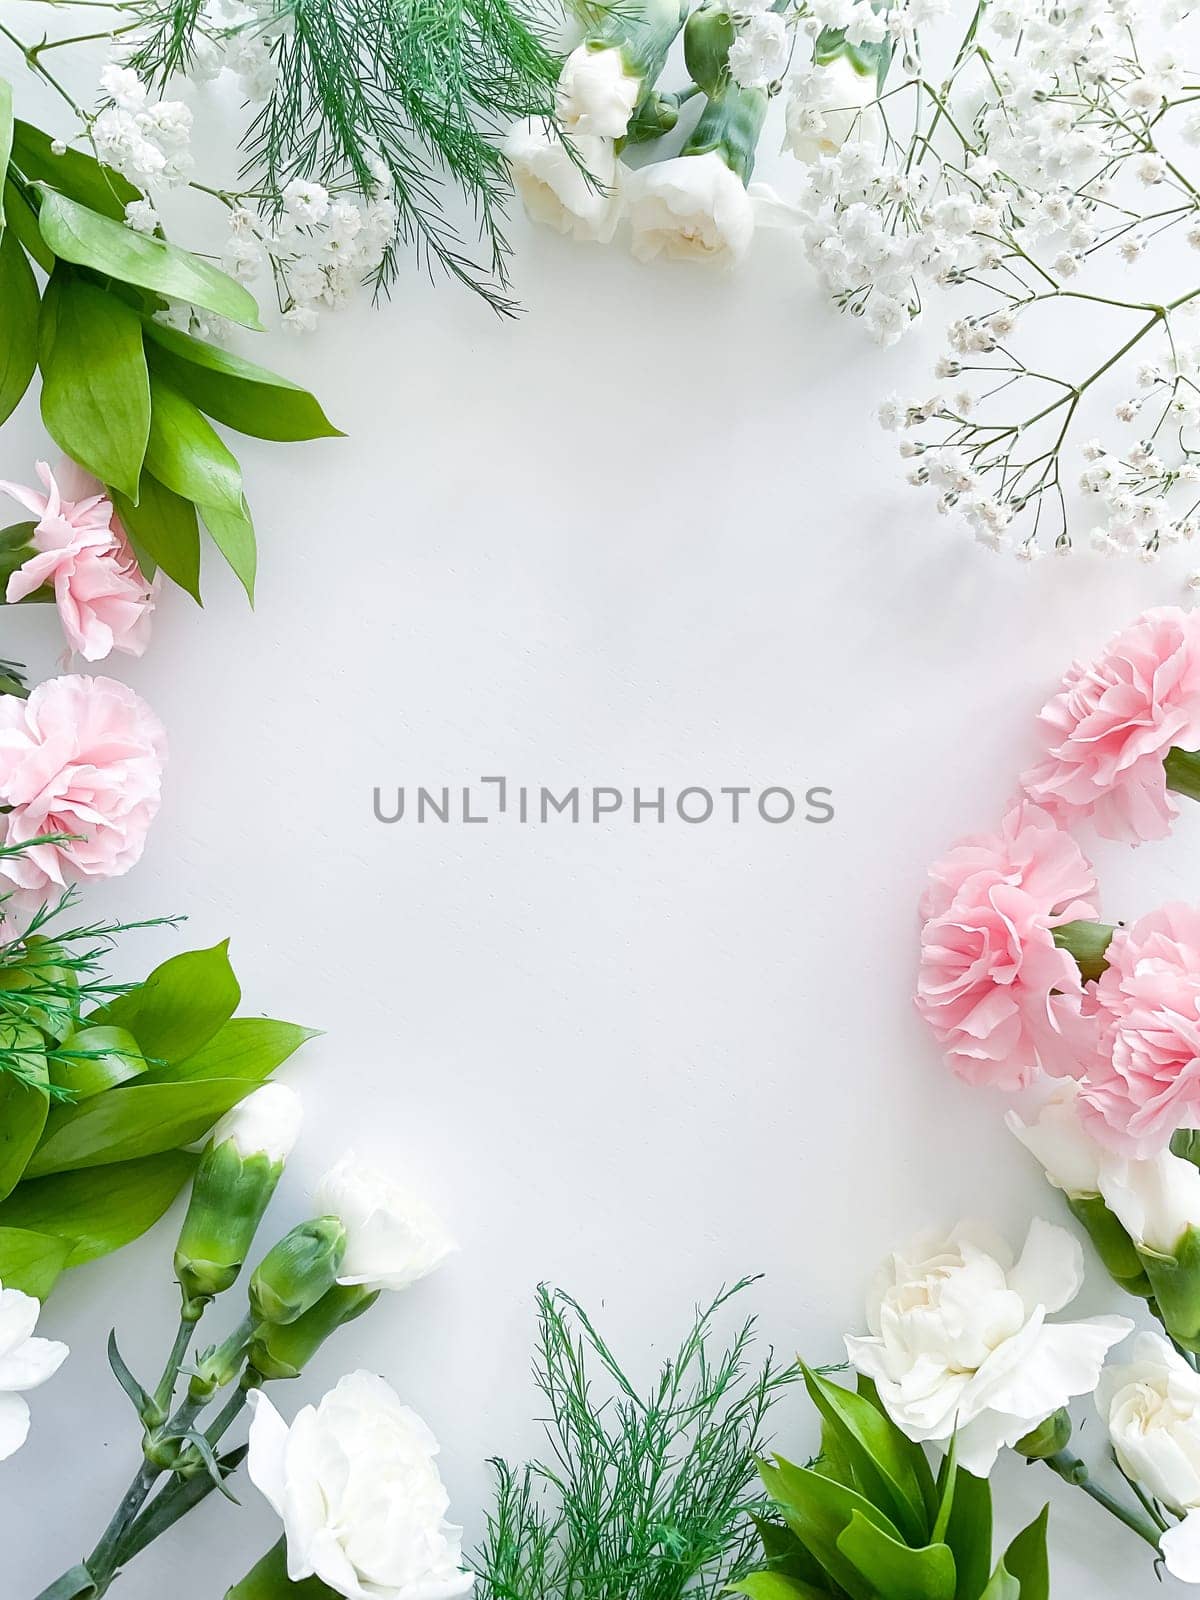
[[643, 1497]]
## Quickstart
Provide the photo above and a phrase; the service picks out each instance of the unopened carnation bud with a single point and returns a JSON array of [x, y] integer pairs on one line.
[[707, 36], [1048, 1438], [232, 1188], [297, 1271], [280, 1350]]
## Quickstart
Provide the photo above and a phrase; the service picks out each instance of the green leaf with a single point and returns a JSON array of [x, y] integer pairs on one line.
[[30, 1261], [18, 323], [969, 1533], [96, 386], [16, 547], [6, 138], [879, 1453], [187, 454], [895, 1569], [84, 237], [268, 1580], [74, 173], [786, 1554], [233, 535], [78, 1584], [776, 1586], [1028, 1560], [1003, 1586], [163, 532], [818, 1510], [180, 1006], [23, 1106], [102, 1208], [22, 219], [946, 1482], [92, 1060], [236, 392], [245, 1047], [127, 1123]]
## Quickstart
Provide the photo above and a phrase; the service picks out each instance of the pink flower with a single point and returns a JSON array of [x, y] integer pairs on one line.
[[81, 548], [81, 756], [1003, 1000], [1109, 729], [1145, 1081]]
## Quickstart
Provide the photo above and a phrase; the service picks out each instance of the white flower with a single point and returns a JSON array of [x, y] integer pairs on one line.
[[123, 87], [25, 1362], [584, 203], [597, 92], [141, 216], [305, 203], [960, 1346], [690, 208], [299, 319], [1155, 1201], [265, 1123], [886, 319], [1151, 1408], [845, 100], [759, 54], [392, 1239], [362, 1503], [891, 413]]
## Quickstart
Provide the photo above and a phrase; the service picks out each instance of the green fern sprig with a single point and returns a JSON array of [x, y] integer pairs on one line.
[[640, 1497]]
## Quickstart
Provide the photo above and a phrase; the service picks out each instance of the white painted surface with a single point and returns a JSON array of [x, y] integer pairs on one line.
[[649, 535]]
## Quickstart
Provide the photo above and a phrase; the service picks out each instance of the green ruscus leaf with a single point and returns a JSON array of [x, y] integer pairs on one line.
[[180, 1006], [6, 138], [96, 386], [164, 533], [895, 1569], [233, 534], [86, 238], [24, 1103], [245, 1047], [100, 1209], [18, 323], [268, 1580], [1028, 1561], [75, 172], [31, 1261], [187, 454], [234, 391], [133, 1121]]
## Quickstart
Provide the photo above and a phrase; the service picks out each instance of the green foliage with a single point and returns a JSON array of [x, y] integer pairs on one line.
[[646, 1497], [122, 395], [103, 1085], [868, 1521], [268, 1580], [426, 86]]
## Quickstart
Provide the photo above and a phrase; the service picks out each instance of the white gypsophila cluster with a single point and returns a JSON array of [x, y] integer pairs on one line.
[[761, 52], [1047, 164], [146, 140]]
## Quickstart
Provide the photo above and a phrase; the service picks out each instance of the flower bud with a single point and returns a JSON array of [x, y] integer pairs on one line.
[[707, 36], [283, 1350], [297, 1271], [232, 1188], [1116, 1249], [1048, 1438]]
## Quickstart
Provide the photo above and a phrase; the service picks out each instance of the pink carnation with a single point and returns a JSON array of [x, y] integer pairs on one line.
[[1109, 729], [81, 756], [82, 551], [1145, 1081], [1003, 1000]]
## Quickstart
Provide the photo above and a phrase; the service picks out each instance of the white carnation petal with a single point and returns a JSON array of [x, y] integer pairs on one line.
[[1064, 1360], [18, 1318], [14, 1424], [980, 1441], [31, 1364], [267, 1460], [1181, 1549], [1050, 1271]]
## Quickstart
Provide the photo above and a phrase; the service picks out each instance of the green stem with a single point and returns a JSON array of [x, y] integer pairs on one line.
[[165, 1392], [1073, 1471]]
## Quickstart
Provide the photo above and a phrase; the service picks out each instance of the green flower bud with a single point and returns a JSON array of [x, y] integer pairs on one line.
[[283, 1351], [232, 1188], [1175, 1282], [1120, 1255], [707, 36], [297, 1271], [655, 115], [1048, 1439]]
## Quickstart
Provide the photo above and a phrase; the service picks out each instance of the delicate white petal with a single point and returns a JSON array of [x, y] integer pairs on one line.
[[1050, 1271], [14, 1424], [1065, 1361], [266, 1463], [18, 1318], [29, 1366], [1181, 1549], [1156, 1201]]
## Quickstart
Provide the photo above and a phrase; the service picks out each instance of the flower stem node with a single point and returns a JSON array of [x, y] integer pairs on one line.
[[1046, 1440], [296, 1272], [280, 1351], [708, 36]]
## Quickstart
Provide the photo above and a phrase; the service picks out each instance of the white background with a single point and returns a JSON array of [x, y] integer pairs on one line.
[[647, 535]]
